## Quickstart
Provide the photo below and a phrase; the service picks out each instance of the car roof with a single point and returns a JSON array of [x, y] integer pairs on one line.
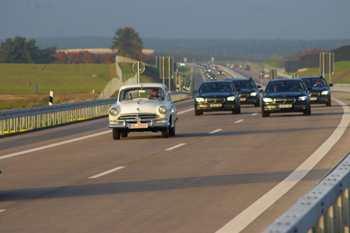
[[285, 79], [218, 81], [312, 77], [133, 85]]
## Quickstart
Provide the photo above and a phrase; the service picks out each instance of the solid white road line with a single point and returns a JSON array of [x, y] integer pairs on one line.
[[184, 111], [52, 145], [248, 215], [239, 121], [215, 131], [174, 147], [254, 114], [106, 172]]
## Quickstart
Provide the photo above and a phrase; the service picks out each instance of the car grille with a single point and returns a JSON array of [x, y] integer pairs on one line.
[[138, 117], [314, 94], [284, 100], [215, 100]]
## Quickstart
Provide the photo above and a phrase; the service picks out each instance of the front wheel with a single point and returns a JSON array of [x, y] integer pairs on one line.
[[172, 131], [329, 104], [257, 104], [124, 134], [116, 134], [307, 112], [197, 112], [165, 132], [265, 114]]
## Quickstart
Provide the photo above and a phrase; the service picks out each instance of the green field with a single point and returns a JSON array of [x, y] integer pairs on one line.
[[340, 68], [59, 78]]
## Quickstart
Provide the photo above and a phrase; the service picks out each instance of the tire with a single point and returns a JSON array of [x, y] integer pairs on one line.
[[307, 112], [172, 131], [265, 114], [257, 104], [165, 132], [197, 112], [237, 111], [116, 134], [329, 104], [124, 134]]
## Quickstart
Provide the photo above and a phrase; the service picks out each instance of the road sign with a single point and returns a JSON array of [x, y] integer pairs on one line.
[[273, 74], [327, 64], [166, 68], [138, 67]]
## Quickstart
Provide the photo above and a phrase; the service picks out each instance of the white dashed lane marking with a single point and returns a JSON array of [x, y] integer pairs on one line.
[[174, 147], [215, 131], [239, 121], [106, 172]]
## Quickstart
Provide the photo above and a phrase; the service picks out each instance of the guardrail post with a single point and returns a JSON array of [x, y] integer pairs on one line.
[[329, 227], [319, 226], [346, 210], [338, 216], [2, 127]]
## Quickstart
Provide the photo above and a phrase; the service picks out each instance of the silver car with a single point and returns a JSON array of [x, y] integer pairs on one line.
[[143, 107]]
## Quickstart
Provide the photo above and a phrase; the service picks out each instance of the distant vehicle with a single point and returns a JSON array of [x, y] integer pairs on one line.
[[321, 91], [247, 67], [216, 96], [182, 64], [249, 90], [220, 72], [267, 75], [241, 66], [143, 107], [286, 95]]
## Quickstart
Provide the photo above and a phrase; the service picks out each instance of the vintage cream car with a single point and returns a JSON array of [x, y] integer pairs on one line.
[[143, 107]]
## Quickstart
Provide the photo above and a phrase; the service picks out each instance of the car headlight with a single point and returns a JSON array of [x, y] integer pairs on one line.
[[324, 92], [302, 98], [253, 93], [231, 98], [113, 111], [199, 99], [267, 100], [162, 109]]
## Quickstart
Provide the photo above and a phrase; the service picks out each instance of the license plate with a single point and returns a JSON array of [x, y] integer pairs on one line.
[[285, 106], [138, 126], [216, 105], [313, 98], [242, 99]]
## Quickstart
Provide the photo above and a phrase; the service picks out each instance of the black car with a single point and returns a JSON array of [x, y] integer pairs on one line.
[[285, 95], [249, 90], [321, 92], [216, 96]]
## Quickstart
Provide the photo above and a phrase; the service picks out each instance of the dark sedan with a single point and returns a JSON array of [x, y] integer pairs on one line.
[[249, 90], [285, 95], [321, 92], [216, 96]]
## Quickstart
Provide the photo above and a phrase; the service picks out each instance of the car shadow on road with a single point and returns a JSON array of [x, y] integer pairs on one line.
[[110, 188]]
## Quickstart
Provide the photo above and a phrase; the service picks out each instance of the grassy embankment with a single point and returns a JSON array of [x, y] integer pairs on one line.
[[340, 68], [69, 82]]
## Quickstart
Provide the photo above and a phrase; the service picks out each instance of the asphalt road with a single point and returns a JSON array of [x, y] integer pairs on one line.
[[216, 166]]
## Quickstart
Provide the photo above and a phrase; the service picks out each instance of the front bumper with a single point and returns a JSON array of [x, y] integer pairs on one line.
[[322, 99], [209, 108], [249, 100], [150, 125], [274, 108]]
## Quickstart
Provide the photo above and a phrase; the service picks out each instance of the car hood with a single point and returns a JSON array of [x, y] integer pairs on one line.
[[248, 90], [284, 94], [319, 89], [132, 106], [216, 94]]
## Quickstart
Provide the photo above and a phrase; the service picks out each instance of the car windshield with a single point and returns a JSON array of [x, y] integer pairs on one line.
[[314, 82], [244, 84], [285, 86], [216, 87], [153, 93]]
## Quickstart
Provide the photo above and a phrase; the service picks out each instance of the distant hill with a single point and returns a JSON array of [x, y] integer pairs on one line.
[[243, 48]]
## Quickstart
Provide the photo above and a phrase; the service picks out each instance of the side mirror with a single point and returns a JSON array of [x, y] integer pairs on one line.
[[331, 84], [309, 89], [259, 86], [261, 90], [194, 91], [238, 91]]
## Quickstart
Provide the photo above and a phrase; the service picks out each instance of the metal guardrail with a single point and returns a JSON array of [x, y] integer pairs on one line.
[[325, 208], [17, 120]]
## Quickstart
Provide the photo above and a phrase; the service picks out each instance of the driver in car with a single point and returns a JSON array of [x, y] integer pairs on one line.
[[155, 94]]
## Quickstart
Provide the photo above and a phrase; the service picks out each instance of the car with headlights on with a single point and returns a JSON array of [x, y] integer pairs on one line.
[[216, 96], [285, 95], [321, 91], [143, 107], [249, 90]]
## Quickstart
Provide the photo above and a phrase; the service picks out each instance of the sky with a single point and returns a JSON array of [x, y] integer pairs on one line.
[[186, 19]]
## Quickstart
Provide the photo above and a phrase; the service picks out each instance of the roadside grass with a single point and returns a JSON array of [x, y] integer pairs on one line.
[[339, 69], [59, 78], [24, 103]]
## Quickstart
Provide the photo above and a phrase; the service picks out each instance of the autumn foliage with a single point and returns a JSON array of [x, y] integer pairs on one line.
[[297, 55]]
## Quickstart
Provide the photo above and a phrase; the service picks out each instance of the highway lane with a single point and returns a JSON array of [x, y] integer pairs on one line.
[[224, 164]]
